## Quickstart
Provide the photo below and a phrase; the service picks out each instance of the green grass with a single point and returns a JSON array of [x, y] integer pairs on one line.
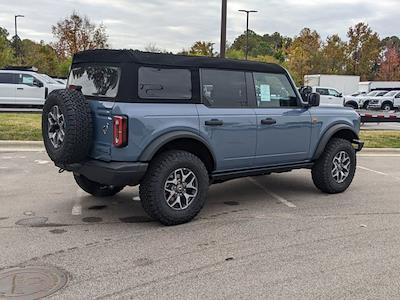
[[27, 127], [20, 127], [380, 139]]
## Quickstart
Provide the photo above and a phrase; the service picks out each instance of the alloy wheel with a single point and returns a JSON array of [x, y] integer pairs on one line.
[[56, 127], [341, 166], [180, 189]]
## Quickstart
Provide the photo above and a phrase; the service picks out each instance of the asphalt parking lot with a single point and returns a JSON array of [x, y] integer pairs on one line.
[[272, 237]]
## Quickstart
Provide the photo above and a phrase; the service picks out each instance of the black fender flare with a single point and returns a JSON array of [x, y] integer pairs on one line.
[[164, 139], [329, 134]]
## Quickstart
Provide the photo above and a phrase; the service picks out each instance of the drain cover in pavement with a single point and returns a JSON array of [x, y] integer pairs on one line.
[[30, 282]]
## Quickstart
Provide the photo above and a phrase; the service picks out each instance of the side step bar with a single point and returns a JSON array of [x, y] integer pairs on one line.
[[225, 176]]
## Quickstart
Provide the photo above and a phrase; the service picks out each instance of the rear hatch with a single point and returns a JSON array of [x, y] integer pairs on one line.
[[99, 84]]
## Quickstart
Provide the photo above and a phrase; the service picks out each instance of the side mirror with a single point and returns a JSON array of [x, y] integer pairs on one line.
[[314, 99], [340, 95], [38, 83]]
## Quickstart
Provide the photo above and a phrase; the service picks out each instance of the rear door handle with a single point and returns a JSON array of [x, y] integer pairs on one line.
[[20, 89], [214, 122], [268, 121]]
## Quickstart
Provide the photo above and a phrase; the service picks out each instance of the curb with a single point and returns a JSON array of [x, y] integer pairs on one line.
[[21, 146]]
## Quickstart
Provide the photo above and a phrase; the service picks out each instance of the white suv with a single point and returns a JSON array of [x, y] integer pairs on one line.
[[329, 96], [25, 88]]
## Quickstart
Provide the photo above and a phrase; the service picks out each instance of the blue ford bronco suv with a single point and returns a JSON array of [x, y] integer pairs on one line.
[[175, 124]]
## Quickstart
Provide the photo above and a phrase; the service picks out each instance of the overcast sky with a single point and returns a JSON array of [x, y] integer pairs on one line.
[[176, 24]]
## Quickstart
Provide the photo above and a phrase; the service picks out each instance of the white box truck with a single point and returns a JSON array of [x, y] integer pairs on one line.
[[369, 86], [345, 84]]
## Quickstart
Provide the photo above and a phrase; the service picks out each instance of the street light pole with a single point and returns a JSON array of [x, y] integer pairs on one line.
[[223, 29], [15, 22], [247, 28]]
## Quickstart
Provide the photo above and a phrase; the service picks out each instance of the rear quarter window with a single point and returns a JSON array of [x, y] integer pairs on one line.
[[164, 84], [7, 78], [96, 80]]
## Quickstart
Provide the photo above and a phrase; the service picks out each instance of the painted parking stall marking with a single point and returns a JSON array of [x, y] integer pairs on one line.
[[377, 172], [272, 194]]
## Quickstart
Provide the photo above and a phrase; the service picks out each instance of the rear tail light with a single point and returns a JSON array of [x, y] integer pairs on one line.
[[120, 130]]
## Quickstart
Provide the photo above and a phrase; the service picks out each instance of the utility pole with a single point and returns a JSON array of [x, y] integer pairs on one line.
[[247, 28], [223, 29], [15, 23]]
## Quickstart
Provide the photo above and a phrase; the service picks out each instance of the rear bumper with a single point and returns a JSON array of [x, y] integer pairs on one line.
[[109, 173]]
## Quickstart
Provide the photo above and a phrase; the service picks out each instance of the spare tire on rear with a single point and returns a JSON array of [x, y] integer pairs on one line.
[[67, 126]]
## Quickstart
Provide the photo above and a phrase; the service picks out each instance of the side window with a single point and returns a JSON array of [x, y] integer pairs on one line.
[[274, 90], [26, 79], [168, 84], [322, 92], [333, 93], [221, 88], [6, 78], [398, 95]]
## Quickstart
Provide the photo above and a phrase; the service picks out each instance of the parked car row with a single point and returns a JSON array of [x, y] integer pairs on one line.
[[384, 100], [22, 87]]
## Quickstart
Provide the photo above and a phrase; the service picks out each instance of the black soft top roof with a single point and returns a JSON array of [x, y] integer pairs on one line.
[[161, 59]]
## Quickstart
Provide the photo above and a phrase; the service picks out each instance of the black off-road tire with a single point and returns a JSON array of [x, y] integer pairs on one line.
[[78, 126], [152, 193], [96, 189], [322, 169]]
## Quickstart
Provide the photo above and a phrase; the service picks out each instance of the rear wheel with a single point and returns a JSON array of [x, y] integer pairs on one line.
[[175, 187], [352, 105], [96, 189], [334, 171]]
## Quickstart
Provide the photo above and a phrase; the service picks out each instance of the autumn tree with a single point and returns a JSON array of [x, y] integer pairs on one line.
[[6, 51], [202, 48], [304, 54], [77, 33], [363, 51], [333, 56], [389, 69], [391, 42]]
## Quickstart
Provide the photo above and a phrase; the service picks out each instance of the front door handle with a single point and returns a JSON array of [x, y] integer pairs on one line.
[[20, 89], [214, 122], [268, 121]]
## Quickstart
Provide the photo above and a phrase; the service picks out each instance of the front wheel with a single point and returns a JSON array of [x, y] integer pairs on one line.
[[96, 189], [175, 187], [387, 106], [334, 171]]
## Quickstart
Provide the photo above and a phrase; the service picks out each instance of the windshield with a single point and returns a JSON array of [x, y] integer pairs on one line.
[[96, 80], [391, 94], [380, 94], [48, 79], [372, 93]]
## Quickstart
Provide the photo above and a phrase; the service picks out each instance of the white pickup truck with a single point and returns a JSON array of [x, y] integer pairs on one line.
[[387, 102], [25, 88]]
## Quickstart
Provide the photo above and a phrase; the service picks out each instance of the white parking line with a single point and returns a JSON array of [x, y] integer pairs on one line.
[[378, 172], [378, 155], [77, 208], [370, 170], [272, 194]]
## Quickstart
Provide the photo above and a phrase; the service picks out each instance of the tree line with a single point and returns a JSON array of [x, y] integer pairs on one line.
[[363, 53]]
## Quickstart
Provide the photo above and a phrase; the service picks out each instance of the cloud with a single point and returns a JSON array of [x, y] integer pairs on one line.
[[176, 24]]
